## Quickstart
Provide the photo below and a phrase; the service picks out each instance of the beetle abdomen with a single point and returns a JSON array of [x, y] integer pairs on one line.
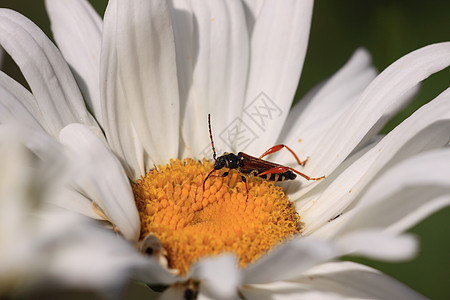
[[288, 175]]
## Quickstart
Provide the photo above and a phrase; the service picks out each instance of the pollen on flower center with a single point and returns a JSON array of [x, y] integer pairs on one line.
[[191, 223]]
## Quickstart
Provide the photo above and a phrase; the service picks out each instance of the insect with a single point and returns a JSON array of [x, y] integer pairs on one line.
[[255, 166], [335, 217]]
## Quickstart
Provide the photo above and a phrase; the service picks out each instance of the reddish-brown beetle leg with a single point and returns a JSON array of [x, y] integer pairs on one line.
[[278, 148]]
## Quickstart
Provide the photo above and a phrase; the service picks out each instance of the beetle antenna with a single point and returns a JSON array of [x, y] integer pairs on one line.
[[210, 136]]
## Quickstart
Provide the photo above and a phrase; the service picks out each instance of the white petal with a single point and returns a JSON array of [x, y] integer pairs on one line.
[[204, 296], [118, 124], [286, 290], [22, 190], [58, 247], [380, 96], [212, 47], [292, 189], [16, 174], [147, 70], [45, 70], [404, 195], [74, 201], [219, 275], [355, 281], [288, 260], [327, 230], [378, 245], [427, 128], [95, 258], [314, 116], [306, 200], [41, 237], [279, 36], [77, 30], [100, 176], [17, 104], [183, 292], [2, 56], [399, 104], [40, 143], [333, 97], [175, 292]]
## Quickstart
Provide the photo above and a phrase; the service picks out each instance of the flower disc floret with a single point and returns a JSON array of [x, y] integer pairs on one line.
[[191, 222]]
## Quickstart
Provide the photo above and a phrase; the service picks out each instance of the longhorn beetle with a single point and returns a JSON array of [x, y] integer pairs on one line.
[[253, 166]]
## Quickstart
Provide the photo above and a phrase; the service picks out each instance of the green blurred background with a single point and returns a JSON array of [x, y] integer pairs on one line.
[[389, 30]]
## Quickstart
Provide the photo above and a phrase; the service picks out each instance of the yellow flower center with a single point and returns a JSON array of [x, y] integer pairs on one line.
[[191, 222]]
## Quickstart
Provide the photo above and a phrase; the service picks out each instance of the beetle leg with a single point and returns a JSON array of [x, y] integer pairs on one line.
[[211, 175], [204, 181], [281, 146], [225, 174], [244, 180]]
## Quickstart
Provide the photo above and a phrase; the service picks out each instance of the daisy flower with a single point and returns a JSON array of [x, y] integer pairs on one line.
[[151, 71]]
